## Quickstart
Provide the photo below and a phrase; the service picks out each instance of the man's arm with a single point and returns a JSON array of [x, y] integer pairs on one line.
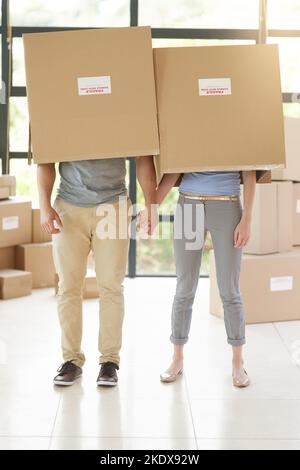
[[146, 175], [45, 181], [147, 178], [242, 231]]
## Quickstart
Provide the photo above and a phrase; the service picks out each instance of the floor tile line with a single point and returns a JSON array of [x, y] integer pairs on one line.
[[153, 438], [27, 436], [190, 409], [78, 436], [246, 398], [294, 439], [285, 346], [54, 422]]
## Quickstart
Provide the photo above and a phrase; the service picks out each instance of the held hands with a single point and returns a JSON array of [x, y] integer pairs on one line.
[[242, 232], [50, 218], [148, 218]]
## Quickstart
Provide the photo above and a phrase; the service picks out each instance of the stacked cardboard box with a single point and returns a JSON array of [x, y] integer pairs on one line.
[[15, 228], [7, 186], [15, 222], [270, 287], [14, 283], [7, 257], [292, 150], [37, 258], [272, 221], [26, 258], [292, 171], [296, 214], [90, 286]]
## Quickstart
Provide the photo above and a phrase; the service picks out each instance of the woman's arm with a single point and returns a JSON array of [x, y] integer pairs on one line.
[[45, 181], [242, 231], [167, 183]]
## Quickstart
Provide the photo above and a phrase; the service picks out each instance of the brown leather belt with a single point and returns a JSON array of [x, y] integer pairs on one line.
[[203, 197]]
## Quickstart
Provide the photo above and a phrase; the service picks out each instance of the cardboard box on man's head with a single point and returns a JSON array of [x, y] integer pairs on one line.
[[219, 108], [91, 94]]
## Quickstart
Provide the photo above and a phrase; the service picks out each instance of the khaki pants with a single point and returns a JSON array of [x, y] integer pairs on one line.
[[71, 248]]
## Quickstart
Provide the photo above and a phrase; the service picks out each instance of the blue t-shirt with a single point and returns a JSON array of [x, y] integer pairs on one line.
[[212, 183]]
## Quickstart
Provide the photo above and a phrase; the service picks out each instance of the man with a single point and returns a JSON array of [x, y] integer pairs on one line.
[[87, 191]]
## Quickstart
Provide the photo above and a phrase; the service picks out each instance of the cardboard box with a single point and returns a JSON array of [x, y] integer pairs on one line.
[[7, 257], [219, 108], [292, 151], [8, 182], [262, 176], [14, 283], [38, 235], [270, 287], [4, 192], [90, 286], [15, 222], [91, 94], [272, 222], [296, 214], [37, 258]]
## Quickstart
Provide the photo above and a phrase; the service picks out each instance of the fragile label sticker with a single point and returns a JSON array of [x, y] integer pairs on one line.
[[298, 206], [214, 86], [94, 85], [281, 283], [10, 223]]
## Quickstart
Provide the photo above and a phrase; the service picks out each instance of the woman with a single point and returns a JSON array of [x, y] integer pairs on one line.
[[214, 197]]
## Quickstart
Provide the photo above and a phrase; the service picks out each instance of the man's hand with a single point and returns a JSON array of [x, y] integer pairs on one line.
[[148, 218], [48, 217], [242, 232]]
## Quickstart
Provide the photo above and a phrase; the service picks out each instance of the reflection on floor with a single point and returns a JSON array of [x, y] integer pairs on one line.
[[202, 410]]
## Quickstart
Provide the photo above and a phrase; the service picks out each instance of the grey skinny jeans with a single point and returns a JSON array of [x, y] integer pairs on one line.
[[220, 219]]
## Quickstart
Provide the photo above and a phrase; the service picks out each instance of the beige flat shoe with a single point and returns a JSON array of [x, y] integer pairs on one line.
[[167, 377], [241, 383]]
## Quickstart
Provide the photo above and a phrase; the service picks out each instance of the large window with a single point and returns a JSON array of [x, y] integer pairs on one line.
[[199, 14], [79, 13], [174, 23], [283, 14]]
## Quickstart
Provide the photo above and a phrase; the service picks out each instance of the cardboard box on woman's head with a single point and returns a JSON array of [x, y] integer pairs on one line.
[[219, 109]]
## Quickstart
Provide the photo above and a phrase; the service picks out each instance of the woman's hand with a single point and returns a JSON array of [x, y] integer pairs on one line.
[[148, 218], [48, 217], [242, 232]]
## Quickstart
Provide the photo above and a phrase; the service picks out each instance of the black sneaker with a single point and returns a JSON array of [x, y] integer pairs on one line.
[[68, 373], [108, 374]]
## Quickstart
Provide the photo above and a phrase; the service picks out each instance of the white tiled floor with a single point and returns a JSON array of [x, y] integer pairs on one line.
[[202, 410]]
